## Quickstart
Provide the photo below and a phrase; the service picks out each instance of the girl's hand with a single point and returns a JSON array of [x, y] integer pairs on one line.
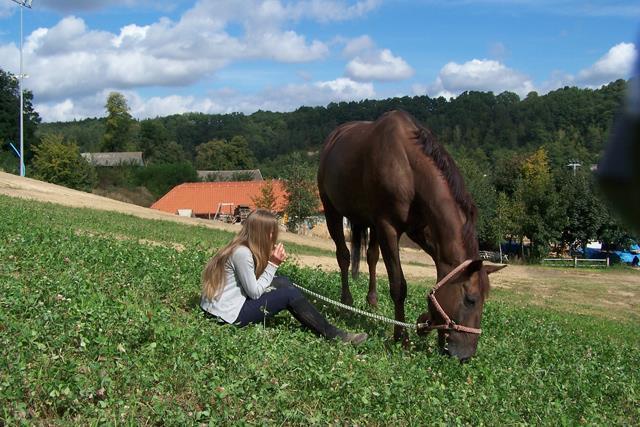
[[278, 255]]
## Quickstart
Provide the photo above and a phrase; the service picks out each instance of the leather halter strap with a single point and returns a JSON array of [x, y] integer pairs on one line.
[[449, 325]]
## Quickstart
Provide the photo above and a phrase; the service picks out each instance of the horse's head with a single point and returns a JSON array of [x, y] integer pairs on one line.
[[461, 297]]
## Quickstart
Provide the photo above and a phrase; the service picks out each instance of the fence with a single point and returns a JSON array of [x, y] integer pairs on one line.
[[577, 262]]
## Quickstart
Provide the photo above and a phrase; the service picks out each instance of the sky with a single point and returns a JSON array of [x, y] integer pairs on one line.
[[223, 56]]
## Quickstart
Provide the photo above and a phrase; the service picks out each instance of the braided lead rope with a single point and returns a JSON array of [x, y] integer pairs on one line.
[[449, 325], [362, 312]]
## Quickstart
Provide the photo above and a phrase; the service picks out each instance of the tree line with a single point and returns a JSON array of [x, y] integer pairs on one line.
[[514, 153]]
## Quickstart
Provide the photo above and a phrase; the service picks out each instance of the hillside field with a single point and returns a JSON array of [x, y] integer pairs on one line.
[[99, 323]]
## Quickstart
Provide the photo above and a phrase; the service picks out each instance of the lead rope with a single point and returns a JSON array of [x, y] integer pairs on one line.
[[449, 325], [362, 312]]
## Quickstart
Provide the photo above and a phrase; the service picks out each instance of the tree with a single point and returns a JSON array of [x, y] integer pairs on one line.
[[302, 193], [10, 115], [542, 220], [117, 134], [160, 178], [584, 212], [219, 154], [60, 162], [478, 183], [266, 200]]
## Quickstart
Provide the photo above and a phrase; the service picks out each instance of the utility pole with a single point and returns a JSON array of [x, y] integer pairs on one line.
[[23, 4], [575, 165]]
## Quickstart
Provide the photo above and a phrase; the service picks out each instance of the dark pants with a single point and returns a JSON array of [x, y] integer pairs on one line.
[[285, 296]]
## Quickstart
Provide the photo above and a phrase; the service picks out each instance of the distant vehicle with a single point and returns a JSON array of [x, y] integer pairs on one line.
[[617, 255]]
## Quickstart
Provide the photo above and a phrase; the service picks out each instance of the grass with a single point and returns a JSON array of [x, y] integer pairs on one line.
[[97, 327]]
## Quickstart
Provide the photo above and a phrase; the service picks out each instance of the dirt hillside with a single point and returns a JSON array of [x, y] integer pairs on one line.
[[27, 188]]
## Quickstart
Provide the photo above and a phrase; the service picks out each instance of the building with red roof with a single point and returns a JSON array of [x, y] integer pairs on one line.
[[205, 199]]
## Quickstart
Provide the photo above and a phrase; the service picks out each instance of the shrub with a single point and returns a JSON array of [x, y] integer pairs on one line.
[[161, 178], [60, 162]]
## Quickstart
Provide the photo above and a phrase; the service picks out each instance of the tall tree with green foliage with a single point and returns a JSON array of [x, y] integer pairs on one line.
[[543, 219], [117, 133], [220, 154], [10, 115], [302, 192], [60, 162], [266, 199], [478, 183], [584, 211]]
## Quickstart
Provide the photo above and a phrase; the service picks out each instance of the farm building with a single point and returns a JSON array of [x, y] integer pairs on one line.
[[114, 158], [233, 175], [217, 199]]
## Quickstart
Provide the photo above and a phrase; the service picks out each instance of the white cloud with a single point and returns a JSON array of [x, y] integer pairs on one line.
[[70, 59], [481, 75], [383, 65], [72, 66], [354, 47], [281, 98], [615, 64], [67, 6], [334, 10], [369, 63]]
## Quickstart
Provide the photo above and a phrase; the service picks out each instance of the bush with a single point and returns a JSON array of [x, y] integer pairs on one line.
[[161, 178], [60, 162]]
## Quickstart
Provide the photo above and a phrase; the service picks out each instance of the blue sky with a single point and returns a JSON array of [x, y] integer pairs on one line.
[[220, 56]]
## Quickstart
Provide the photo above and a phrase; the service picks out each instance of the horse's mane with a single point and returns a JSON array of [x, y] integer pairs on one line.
[[432, 148]]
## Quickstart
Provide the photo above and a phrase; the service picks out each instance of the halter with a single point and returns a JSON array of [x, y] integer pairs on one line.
[[448, 325]]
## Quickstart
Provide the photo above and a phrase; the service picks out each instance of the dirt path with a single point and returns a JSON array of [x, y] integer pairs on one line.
[[27, 188]]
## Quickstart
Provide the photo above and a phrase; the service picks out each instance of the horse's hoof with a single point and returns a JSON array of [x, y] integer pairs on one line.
[[347, 299], [372, 300]]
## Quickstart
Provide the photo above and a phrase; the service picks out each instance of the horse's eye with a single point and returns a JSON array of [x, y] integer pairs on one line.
[[469, 300]]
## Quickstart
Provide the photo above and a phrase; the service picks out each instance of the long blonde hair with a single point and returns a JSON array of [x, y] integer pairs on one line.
[[259, 233]]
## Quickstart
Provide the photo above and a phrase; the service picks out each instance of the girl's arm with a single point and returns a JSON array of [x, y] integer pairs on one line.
[[242, 261]]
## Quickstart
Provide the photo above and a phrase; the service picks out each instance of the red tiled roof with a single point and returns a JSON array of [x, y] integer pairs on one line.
[[203, 197]]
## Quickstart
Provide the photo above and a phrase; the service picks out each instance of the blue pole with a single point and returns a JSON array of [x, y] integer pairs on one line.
[[22, 168]]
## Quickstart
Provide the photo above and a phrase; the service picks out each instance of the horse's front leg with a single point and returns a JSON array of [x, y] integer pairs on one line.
[[334, 224], [388, 238], [373, 255]]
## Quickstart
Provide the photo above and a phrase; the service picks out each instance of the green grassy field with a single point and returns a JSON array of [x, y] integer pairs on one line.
[[99, 324]]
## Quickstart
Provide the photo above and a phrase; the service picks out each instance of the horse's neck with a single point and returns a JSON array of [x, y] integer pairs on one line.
[[445, 234], [444, 219]]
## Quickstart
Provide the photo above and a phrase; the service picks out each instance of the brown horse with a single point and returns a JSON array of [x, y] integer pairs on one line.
[[391, 176]]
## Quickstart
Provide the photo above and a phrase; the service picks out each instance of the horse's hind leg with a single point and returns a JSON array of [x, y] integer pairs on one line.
[[336, 230], [373, 255]]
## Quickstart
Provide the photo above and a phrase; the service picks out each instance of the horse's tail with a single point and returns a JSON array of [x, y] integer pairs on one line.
[[359, 235]]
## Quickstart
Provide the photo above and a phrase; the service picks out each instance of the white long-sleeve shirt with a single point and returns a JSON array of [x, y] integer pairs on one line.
[[240, 283]]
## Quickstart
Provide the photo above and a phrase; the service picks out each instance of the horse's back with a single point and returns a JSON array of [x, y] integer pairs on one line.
[[364, 165]]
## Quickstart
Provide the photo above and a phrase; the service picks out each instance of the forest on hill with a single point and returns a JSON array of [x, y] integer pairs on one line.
[[514, 153], [575, 122]]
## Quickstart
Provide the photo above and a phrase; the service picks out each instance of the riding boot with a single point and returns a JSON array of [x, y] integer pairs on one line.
[[309, 316]]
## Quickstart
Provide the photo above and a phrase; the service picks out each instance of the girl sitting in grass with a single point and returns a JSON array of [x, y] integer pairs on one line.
[[239, 285]]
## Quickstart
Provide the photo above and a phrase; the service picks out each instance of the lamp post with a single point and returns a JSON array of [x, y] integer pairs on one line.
[[22, 3], [575, 165]]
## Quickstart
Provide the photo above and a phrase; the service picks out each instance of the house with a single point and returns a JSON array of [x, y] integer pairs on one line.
[[218, 199], [114, 158]]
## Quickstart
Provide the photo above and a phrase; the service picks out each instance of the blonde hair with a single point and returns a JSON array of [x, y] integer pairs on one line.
[[259, 233]]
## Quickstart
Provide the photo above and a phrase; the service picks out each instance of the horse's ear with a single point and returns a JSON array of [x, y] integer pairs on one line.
[[492, 268], [475, 265]]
